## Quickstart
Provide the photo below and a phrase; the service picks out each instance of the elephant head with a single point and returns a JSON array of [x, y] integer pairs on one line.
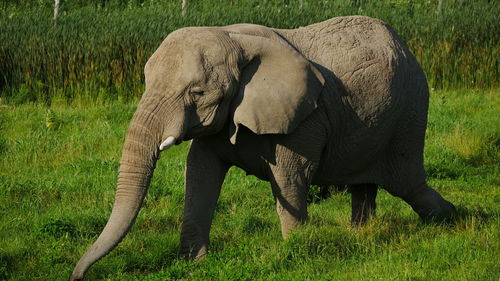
[[199, 79]]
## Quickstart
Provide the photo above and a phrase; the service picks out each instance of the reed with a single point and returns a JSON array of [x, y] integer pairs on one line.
[[97, 50]]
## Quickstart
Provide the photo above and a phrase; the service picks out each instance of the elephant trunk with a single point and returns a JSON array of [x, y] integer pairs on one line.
[[140, 153]]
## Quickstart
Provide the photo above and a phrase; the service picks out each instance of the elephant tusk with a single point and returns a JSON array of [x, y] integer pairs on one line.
[[167, 143]]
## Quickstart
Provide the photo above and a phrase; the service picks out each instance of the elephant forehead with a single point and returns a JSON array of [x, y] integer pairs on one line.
[[191, 69]]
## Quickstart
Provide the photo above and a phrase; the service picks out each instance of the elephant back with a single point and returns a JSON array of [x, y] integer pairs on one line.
[[378, 74]]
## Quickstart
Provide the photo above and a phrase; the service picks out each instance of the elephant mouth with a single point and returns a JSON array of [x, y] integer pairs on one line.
[[206, 126]]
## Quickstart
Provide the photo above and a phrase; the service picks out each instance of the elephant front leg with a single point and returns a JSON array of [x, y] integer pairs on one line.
[[205, 173], [362, 202], [290, 192]]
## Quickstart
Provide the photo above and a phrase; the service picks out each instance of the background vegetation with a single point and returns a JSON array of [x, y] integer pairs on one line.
[[57, 182], [97, 50]]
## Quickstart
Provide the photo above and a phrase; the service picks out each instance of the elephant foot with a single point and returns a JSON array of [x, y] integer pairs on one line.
[[194, 245], [362, 203], [193, 252], [75, 278], [431, 206], [290, 221]]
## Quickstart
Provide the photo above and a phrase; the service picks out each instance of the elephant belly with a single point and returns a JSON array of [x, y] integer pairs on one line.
[[356, 158]]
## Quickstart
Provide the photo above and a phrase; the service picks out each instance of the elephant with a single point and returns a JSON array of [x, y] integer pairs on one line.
[[341, 102]]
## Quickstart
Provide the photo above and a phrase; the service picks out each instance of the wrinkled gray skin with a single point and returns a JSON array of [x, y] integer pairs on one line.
[[338, 102]]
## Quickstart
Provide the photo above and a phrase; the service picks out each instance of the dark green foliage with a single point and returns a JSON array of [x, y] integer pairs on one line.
[[318, 193], [97, 50], [57, 228]]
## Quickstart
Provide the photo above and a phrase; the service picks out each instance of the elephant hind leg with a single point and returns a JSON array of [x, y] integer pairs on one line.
[[405, 175], [362, 202], [425, 201], [409, 184], [429, 204]]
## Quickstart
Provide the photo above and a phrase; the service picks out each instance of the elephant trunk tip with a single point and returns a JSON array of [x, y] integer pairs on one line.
[[76, 277], [78, 274], [167, 143]]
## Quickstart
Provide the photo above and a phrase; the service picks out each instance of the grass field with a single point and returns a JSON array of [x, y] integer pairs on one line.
[[58, 171]]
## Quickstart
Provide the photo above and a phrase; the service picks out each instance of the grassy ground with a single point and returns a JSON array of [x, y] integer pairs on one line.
[[57, 186]]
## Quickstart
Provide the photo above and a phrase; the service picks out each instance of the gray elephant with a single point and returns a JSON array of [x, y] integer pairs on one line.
[[338, 102]]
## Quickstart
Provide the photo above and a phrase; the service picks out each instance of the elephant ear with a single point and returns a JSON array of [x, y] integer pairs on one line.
[[278, 87]]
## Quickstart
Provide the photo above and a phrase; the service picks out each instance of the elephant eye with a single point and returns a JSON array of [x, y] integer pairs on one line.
[[196, 93]]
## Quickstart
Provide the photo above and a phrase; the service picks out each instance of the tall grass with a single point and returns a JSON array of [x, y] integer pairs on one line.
[[97, 50]]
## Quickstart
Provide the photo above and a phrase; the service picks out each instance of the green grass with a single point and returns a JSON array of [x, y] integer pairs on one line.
[[57, 187], [98, 49]]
